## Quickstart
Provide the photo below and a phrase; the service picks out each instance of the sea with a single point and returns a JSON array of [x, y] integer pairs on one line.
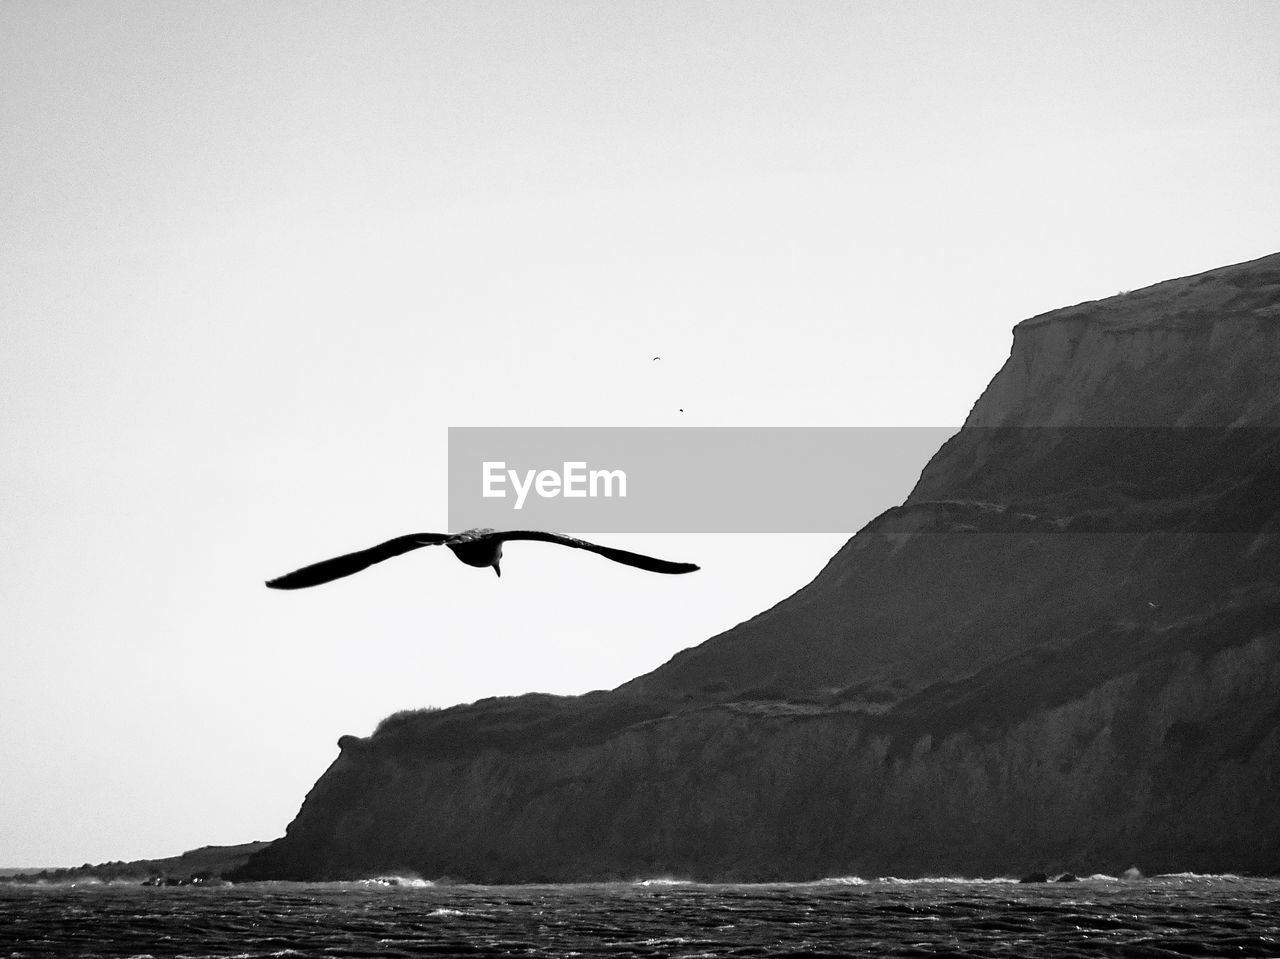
[[1181, 915]]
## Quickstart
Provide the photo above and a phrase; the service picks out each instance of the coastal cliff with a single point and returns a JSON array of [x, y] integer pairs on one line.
[[1061, 652]]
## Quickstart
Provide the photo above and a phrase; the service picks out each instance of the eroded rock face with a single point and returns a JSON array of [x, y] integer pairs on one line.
[[1061, 653], [1203, 350], [1109, 417]]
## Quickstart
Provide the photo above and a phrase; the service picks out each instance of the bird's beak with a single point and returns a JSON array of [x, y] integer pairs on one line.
[[497, 570]]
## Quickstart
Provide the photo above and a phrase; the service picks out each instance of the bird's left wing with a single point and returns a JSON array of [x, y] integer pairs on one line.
[[330, 569], [639, 560]]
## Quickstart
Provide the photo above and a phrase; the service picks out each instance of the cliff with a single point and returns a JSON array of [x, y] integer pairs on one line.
[[1061, 652]]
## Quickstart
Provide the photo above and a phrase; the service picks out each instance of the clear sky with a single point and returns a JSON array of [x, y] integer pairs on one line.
[[255, 258]]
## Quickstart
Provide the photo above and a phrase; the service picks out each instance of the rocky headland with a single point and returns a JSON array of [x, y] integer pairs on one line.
[[1061, 654], [195, 867]]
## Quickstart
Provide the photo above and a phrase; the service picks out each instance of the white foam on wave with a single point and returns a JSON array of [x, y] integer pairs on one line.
[[841, 881], [411, 882], [1100, 877], [951, 880], [663, 881], [1201, 876]]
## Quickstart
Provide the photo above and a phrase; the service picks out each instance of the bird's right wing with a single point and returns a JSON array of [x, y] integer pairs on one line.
[[639, 560], [330, 569]]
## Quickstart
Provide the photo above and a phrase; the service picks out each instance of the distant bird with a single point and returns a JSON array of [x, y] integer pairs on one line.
[[657, 357], [475, 547]]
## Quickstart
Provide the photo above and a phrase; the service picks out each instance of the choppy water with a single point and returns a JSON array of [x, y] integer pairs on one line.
[[1187, 916]]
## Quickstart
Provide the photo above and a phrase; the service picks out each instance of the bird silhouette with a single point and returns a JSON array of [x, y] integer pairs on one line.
[[475, 547]]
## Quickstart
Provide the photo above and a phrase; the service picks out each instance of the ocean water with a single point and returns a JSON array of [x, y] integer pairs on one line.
[[1164, 916]]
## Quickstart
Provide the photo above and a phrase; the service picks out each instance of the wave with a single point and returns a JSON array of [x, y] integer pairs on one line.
[[1202, 876], [954, 880], [337, 885], [663, 881], [411, 882]]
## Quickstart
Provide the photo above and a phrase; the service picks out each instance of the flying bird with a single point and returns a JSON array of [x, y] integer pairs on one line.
[[475, 547]]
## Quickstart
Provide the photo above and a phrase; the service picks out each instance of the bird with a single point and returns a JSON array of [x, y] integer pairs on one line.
[[475, 547]]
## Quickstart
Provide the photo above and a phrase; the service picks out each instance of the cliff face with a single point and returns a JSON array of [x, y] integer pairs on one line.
[[1062, 651], [1108, 417], [1196, 351]]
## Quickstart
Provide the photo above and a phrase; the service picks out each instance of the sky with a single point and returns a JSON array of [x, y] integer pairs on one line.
[[257, 258]]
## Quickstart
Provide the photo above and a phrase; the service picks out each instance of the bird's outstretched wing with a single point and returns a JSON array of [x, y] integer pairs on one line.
[[330, 569], [651, 563]]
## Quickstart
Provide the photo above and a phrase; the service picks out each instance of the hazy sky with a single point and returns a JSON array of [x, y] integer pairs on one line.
[[256, 257]]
